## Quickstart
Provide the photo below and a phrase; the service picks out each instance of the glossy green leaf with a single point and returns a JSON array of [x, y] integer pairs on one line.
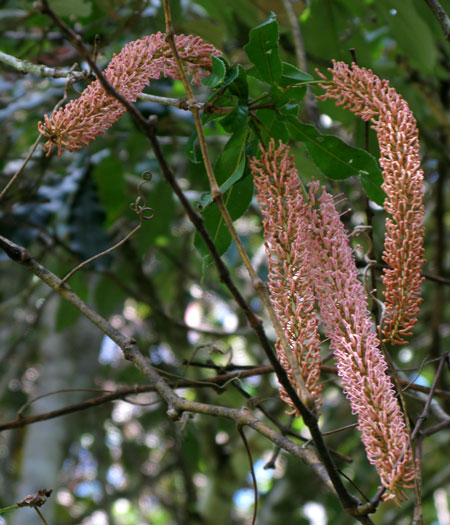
[[230, 165], [262, 50], [231, 74], [217, 73], [239, 87], [282, 96], [336, 159], [293, 75], [206, 199], [192, 149], [373, 189], [237, 119], [272, 126]]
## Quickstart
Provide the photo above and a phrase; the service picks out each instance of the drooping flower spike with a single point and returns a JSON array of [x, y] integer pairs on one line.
[[310, 258], [359, 360], [82, 120], [280, 198], [371, 98]]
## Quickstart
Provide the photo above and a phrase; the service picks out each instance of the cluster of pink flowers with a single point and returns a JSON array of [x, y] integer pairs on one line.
[[310, 259], [95, 111], [371, 98], [360, 362], [292, 296]]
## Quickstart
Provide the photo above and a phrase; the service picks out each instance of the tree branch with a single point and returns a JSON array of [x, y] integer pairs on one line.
[[176, 404], [441, 16], [23, 66]]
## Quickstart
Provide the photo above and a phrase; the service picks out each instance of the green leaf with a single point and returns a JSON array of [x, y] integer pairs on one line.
[[262, 50], [337, 160], [230, 165], [237, 119], [239, 87], [253, 72], [292, 75], [373, 189], [273, 127], [294, 94], [71, 7], [217, 73], [192, 149], [231, 74], [231, 156], [281, 96], [206, 199]]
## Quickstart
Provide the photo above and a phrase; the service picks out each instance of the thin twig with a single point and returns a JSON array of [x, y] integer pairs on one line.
[[436, 428], [443, 394], [427, 275], [22, 167], [182, 103], [417, 513], [137, 207], [354, 485], [370, 256], [40, 515], [426, 408], [441, 16], [285, 430], [60, 391], [252, 473]]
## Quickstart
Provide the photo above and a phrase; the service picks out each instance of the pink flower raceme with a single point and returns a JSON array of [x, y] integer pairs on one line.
[[81, 120], [359, 90], [280, 198], [360, 362]]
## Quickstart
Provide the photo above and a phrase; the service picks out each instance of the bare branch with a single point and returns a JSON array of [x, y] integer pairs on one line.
[[426, 408], [252, 472], [441, 16], [176, 404], [23, 66]]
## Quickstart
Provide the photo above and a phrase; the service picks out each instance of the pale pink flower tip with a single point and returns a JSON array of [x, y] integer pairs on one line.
[[371, 98], [281, 202], [81, 120]]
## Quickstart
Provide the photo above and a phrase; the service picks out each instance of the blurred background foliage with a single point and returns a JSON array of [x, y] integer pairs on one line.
[[125, 463]]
